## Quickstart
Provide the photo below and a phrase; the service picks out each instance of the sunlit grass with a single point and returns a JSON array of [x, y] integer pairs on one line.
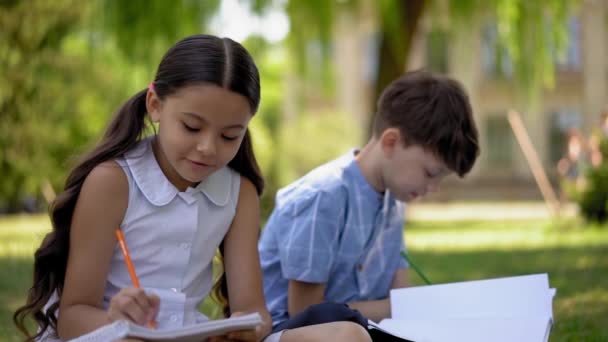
[[574, 255], [510, 235], [20, 235]]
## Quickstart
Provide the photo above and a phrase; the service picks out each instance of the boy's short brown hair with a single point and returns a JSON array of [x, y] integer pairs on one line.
[[433, 112]]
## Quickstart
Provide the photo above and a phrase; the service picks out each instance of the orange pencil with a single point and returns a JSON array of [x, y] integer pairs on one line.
[[125, 252]]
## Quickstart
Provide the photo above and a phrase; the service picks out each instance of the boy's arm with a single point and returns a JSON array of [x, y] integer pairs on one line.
[[301, 295], [377, 310], [401, 278], [309, 231]]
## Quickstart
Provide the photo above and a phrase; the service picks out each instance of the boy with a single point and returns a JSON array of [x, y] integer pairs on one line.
[[336, 234]]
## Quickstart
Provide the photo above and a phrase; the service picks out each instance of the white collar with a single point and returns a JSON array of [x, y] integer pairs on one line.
[[155, 186]]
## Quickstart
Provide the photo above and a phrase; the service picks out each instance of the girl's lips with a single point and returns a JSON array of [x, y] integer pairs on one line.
[[199, 165]]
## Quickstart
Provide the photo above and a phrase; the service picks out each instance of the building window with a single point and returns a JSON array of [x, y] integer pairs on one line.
[[495, 59], [571, 60], [499, 139]]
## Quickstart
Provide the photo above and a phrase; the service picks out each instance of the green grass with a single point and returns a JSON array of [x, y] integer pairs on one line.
[[574, 255], [19, 237]]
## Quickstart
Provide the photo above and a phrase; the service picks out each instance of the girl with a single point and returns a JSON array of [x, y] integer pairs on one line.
[[176, 195]]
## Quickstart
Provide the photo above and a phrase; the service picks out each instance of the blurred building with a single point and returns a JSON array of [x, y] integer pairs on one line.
[[469, 55]]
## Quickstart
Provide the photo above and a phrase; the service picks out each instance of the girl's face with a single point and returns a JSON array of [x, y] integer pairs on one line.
[[201, 128]]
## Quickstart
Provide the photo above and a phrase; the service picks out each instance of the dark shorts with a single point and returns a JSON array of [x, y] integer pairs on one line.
[[334, 312], [322, 313]]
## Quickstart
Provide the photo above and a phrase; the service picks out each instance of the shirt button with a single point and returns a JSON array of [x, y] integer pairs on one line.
[[185, 245], [173, 318], [173, 289], [359, 267]]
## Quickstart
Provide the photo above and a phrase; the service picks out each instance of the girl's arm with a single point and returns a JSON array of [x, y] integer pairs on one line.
[[99, 211], [241, 259]]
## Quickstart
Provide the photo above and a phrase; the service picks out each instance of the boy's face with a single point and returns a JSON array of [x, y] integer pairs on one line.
[[409, 172]]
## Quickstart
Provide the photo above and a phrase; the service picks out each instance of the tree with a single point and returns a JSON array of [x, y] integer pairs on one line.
[[144, 29], [33, 70], [530, 31], [66, 66]]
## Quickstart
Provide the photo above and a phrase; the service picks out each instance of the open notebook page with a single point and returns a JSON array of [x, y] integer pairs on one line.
[[524, 329], [503, 297]]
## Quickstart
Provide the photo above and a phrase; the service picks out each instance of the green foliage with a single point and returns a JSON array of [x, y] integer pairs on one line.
[[66, 69], [593, 200], [313, 139], [39, 95], [534, 33], [144, 29]]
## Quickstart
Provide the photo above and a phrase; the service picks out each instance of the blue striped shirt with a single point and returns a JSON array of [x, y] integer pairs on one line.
[[331, 227]]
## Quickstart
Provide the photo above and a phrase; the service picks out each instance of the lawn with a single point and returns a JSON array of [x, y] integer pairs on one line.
[[574, 255]]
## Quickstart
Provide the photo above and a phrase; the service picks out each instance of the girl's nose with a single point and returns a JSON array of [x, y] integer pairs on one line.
[[206, 145]]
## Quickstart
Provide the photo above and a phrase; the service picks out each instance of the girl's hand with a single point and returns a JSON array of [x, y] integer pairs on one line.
[[135, 305], [241, 335]]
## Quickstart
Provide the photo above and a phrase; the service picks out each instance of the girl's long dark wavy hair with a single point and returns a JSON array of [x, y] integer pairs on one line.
[[193, 60]]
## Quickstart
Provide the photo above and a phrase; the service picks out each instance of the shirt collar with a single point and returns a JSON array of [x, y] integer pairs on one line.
[[159, 191], [354, 170]]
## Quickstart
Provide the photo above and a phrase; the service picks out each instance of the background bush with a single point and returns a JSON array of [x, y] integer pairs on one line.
[[593, 200]]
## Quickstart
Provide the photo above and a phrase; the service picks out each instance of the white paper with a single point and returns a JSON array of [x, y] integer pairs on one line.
[[504, 309], [503, 297], [524, 329]]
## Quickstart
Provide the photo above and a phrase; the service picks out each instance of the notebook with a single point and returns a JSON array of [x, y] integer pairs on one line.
[[191, 333], [504, 309]]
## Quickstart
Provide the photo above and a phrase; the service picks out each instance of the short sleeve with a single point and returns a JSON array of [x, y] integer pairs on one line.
[[402, 263], [399, 219], [310, 236]]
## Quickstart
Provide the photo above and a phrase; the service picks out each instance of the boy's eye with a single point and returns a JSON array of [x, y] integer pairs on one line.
[[190, 128]]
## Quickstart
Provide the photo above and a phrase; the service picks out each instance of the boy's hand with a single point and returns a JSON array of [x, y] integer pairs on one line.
[[241, 335], [135, 305]]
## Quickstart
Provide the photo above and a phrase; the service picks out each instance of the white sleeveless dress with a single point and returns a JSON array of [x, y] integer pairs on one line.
[[172, 236]]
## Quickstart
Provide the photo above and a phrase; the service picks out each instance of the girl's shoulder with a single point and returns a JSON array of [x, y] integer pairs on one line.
[[246, 189], [107, 182], [108, 174], [101, 205]]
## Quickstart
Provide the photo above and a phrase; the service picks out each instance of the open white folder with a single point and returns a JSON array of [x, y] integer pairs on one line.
[[504, 309]]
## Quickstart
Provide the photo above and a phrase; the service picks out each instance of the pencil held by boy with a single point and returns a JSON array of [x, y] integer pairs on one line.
[[336, 234]]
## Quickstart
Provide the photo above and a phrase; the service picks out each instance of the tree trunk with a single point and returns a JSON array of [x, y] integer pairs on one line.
[[392, 58]]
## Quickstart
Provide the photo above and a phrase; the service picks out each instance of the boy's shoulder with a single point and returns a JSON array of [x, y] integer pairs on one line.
[[329, 179]]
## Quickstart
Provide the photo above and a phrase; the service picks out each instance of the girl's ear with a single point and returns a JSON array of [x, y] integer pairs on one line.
[[153, 105], [390, 139]]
